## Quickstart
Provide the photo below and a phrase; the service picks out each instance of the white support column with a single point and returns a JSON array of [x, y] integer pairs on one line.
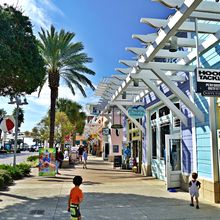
[[165, 100], [148, 140], [194, 144], [132, 119], [214, 144]]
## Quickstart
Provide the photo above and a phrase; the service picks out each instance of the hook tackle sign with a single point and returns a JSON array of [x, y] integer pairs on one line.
[[208, 81]]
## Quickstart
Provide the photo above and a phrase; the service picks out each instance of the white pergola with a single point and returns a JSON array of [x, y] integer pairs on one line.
[[191, 16]]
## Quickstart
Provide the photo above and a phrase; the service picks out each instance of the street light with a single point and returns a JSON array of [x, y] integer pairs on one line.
[[16, 100]]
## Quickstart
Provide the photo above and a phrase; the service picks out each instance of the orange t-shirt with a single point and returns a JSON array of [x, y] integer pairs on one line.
[[75, 195]]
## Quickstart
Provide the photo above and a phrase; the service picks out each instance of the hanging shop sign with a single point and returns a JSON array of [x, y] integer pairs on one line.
[[136, 111], [208, 82]]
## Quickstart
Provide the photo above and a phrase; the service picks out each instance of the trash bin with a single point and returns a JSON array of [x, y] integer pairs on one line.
[[117, 161]]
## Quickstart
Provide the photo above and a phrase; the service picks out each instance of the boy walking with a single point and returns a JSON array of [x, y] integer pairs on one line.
[[194, 186], [75, 198]]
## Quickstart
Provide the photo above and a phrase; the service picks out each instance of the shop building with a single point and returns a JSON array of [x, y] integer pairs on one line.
[[179, 133]]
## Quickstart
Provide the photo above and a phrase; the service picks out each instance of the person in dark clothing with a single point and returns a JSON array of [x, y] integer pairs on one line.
[[80, 151], [59, 159]]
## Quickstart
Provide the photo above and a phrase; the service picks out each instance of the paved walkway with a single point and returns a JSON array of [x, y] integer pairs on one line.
[[109, 194]]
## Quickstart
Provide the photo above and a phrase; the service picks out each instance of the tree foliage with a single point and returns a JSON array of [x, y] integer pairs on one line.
[[74, 112], [64, 61], [63, 127], [21, 66]]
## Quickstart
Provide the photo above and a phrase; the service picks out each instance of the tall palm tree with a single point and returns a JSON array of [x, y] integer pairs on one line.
[[64, 60]]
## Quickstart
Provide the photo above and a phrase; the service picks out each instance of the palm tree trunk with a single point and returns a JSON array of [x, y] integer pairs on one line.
[[53, 98]]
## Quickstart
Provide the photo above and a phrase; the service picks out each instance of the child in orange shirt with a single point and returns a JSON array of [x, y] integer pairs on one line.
[[75, 198]]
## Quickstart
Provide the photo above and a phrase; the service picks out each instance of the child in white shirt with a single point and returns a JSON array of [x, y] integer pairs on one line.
[[194, 186]]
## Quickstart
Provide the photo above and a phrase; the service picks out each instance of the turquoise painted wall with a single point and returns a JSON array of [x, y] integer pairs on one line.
[[203, 134], [203, 140]]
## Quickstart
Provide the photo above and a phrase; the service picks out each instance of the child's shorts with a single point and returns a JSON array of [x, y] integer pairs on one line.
[[74, 211]]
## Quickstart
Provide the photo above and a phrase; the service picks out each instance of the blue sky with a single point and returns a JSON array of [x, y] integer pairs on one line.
[[104, 27]]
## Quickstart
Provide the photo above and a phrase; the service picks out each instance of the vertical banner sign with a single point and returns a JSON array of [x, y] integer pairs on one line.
[[208, 82], [47, 162]]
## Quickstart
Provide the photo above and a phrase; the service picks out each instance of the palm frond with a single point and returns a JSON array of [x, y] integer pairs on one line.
[[42, 85], [70, 86], [73, 81], [79, 77]]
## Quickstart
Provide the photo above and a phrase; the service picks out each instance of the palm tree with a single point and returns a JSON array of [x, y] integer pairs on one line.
[[64, 60]]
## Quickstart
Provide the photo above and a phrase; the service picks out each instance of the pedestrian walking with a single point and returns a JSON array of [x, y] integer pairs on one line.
[[85, 157], [194, 186], [75, 198], [80, 152], [59, 160]]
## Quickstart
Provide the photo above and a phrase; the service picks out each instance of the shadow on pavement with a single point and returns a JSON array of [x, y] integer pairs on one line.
[[106, 206], [14, 196], [109, 170]]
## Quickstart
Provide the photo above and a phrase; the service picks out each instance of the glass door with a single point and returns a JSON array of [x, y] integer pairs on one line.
[[173, 160]]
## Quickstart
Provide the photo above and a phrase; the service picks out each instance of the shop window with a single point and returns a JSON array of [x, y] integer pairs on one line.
[[130, 136], [124, 95], [153, 116], [164, 129], [164, 111], [136, 83], [115, 148], [176, 121], [154, 142]]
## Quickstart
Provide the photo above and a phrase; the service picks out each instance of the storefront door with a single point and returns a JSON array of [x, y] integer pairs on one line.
[[173, 160]]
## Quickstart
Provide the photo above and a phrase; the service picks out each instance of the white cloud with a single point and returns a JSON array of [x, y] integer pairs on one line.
[[64, 92], [39, 13], [37, 10]]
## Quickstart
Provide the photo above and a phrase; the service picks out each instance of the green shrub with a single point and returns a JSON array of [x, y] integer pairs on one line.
[[1, 182], [4, 167], [32, 158], [15, 172], [6, 176], [25, 168]]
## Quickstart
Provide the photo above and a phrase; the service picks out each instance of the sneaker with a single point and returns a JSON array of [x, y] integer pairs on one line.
[[197, 207], [59, 173], [191, 204]]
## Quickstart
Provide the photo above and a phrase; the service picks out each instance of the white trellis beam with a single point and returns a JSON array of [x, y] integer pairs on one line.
[[178, 93], [165, 100]]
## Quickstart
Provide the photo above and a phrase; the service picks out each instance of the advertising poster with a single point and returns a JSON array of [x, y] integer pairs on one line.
[[47, 162]]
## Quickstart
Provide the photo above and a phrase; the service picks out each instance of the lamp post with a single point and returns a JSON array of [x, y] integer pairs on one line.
[[16, 100]]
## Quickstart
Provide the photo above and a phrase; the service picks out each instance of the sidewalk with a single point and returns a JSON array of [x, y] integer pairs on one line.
[[109, 194]]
